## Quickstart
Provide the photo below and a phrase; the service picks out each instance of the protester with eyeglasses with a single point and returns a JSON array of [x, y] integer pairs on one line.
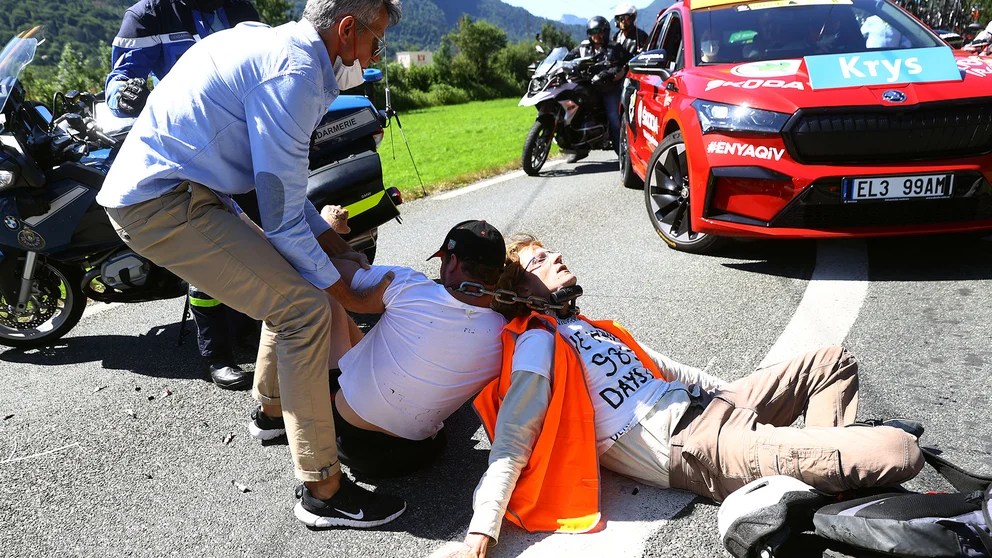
[[609, 62], [235, 115], [575, 394], [632, 38]]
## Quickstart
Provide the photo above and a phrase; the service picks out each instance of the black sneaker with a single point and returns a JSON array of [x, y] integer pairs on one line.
[[352, 506], [913, 427], [577, 156], [264, 427]]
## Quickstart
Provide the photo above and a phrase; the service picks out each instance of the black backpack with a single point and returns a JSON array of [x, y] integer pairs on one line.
[[910, 524]]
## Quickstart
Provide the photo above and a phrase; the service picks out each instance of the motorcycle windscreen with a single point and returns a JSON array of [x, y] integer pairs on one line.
[[356, 184]]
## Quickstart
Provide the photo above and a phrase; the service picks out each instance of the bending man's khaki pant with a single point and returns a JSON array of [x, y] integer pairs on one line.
[[193, 234], [745, 433]]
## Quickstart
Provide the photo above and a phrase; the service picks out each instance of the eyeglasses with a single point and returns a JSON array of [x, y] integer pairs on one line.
[[379, 45], [540, 259], [623, 17]]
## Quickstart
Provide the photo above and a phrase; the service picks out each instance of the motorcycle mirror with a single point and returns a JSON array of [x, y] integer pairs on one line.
[[539, 48]]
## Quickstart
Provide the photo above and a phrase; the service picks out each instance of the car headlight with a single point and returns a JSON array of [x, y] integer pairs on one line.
[[719, 117]]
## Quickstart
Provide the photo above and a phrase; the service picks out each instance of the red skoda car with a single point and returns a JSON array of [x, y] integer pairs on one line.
[[805, 119]]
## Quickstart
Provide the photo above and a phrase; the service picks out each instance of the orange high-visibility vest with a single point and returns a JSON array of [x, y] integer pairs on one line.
[[558, 489]]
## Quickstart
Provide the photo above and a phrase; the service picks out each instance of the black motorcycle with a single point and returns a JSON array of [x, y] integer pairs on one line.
[[58, 246], [568, 110]]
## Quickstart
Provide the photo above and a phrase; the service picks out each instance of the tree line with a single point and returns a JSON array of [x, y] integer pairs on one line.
[[475, 62], [76, 51]]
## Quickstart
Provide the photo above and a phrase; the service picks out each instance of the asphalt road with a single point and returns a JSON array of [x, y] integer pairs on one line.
[[113, 442]]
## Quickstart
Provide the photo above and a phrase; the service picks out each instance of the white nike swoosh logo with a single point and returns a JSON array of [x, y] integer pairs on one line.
[[359, 515]]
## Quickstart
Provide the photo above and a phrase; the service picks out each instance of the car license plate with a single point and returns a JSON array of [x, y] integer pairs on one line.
[[898, 187]]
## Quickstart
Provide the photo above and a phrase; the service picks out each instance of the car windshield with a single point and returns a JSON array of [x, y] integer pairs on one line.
[[14, 57], [776, 29], [555, 56]]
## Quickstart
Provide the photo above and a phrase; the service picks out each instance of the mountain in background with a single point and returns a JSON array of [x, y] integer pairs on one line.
[[89, 24], [569, 19], [645, 16], [425, 22]]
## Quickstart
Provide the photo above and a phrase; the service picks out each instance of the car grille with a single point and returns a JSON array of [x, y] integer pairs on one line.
[[883, 134], [820, 207]]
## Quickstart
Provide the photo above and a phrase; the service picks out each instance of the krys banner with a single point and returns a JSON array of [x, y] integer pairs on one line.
[[887, 67]]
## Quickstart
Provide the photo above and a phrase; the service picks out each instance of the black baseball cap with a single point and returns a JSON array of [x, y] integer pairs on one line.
[[474, 241]]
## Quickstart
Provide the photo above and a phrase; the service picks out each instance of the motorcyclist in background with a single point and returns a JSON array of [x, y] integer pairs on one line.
[[153, 36], [611, 62], [629, 36]]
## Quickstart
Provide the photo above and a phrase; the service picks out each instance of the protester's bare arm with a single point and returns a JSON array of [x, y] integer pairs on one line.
[[336, 247], [686, 374], [347, 268], [366, 301], [520, 419]]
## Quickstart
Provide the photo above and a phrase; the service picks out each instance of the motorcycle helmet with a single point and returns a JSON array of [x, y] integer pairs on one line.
[[597, 25], [625, 9], [758, 518]]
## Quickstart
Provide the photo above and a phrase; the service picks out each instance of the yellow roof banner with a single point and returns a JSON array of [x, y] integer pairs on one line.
[[703, 4]]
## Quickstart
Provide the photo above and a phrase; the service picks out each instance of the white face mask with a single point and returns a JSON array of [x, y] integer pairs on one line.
[[348, 76], [710, 48]]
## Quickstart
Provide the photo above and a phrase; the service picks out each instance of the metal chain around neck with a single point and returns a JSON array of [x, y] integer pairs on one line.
[[504, 296]]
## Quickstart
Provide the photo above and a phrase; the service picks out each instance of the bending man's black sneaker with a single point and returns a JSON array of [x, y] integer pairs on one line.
[[352, 506], [264, 427]]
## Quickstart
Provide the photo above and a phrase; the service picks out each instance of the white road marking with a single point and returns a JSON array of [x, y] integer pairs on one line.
[[492, 181], [831, 303]]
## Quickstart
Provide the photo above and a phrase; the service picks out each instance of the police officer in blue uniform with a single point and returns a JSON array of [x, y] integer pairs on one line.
[[153, 35]]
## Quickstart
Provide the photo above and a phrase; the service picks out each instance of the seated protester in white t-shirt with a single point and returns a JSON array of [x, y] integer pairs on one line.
[[574, 394], [431, 351]]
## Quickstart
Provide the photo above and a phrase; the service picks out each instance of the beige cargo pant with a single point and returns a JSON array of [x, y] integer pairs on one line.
[[193, 234], [745, 432]]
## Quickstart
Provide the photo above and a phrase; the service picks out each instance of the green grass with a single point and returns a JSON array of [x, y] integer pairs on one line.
[[455, 145]]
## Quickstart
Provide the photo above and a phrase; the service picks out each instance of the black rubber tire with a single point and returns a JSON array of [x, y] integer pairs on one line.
[[537, 146], [68, 279], [666, 197], [628, 178]]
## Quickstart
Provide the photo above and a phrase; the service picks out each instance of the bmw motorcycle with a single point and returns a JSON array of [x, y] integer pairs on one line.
[[58, 246], [569, 112]]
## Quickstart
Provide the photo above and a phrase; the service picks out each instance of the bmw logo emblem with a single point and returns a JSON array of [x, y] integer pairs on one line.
[[893, 96], [11, 222]]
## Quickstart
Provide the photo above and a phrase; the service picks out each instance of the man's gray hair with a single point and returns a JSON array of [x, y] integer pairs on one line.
[[324, 14]]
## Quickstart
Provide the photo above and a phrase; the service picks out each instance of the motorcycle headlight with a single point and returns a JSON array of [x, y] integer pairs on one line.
[[719, 117], [7, 178], [537, 84]]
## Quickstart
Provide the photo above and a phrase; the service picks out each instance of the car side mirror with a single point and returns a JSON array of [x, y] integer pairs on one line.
[[653, 62]]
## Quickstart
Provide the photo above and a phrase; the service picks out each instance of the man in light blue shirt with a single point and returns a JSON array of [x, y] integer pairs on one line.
[[235, 114]]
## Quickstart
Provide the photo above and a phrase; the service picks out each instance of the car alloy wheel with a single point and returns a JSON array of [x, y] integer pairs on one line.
[[667, 198]]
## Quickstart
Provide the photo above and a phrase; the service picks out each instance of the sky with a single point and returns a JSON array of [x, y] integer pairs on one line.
[[553, 9]]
